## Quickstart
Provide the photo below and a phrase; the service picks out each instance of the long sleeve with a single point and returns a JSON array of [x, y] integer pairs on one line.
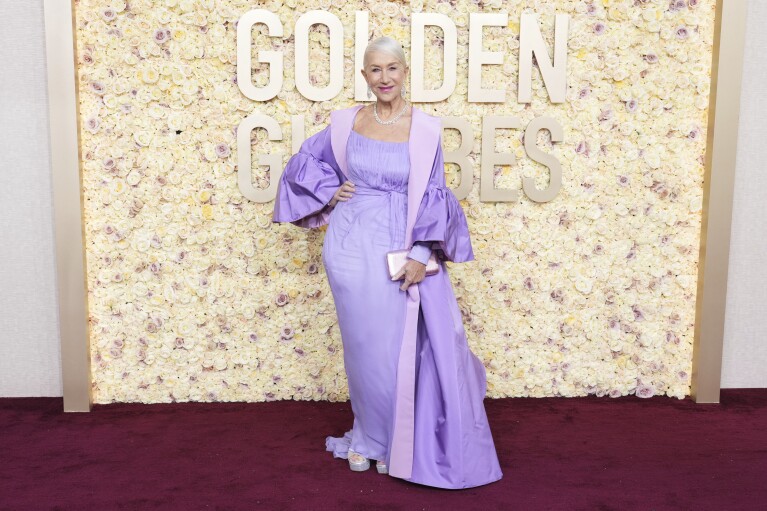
[[421, 251], [309, 181], [441, 219]]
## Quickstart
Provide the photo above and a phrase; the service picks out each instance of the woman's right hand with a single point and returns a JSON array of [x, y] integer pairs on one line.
[[343, 193]]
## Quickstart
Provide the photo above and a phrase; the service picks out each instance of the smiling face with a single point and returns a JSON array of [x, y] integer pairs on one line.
[[385, 75]]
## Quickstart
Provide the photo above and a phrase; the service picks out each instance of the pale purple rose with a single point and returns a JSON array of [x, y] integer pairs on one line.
[[638, 315], [614, 393], [623, 180], [299, 351], [599, 28], [286, 333], [282, 299], [108, 163], [682, 33], [179, 342], [652, 58], [108, 14], [98, 87], [694, 134], [252, 337], [312, 268], [632, 105], [222, 150], [86, 58], [682, 375], [582, 148], [204, 282], [643, 390], [161, 35], [661, 189], [692, 3], [92, 124], [605, 115]]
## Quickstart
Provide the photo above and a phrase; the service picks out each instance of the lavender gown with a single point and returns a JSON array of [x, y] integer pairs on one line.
[[453, 447]]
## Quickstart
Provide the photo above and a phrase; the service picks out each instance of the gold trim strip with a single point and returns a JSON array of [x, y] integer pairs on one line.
[[719, 181], [63, 105]]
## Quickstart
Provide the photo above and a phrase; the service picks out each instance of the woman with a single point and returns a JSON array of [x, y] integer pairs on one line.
[[376, 177]]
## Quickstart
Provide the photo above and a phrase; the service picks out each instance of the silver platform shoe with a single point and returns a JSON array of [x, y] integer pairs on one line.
[[357, 462], [381, 467]]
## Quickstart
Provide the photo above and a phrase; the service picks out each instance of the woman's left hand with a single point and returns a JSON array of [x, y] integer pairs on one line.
[[414, 272]]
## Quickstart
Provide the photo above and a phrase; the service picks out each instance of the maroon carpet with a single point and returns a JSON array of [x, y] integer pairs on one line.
[[556, 453]]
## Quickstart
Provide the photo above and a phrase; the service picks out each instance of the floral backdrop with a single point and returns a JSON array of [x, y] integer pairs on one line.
[[195, 295]]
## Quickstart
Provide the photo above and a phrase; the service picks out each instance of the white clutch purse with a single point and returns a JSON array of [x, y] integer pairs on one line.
[[396, 259]]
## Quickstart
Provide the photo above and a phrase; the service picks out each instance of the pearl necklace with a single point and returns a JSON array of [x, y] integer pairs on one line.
[[391, 121]]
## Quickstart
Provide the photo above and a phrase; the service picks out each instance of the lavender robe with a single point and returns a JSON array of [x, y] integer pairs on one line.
[[439, 431]]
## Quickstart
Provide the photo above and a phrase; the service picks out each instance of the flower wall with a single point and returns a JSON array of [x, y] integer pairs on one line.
[[195, 295]]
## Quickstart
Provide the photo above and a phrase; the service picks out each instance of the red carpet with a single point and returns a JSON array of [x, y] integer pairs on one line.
[[556, 453]]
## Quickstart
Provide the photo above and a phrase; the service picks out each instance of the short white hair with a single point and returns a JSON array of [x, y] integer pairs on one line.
[[387, 45]]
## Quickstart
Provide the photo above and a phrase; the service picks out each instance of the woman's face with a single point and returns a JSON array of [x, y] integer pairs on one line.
[[385, 75]]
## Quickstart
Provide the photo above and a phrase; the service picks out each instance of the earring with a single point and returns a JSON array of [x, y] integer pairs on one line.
[[370, 92], [402, 91]]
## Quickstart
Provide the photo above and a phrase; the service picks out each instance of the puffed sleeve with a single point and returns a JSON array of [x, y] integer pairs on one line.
[[441, 219], [308, 183]]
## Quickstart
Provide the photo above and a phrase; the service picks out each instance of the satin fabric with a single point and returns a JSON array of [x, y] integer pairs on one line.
[[438, 434]]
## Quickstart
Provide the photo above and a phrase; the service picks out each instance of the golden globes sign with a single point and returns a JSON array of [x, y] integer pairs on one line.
[[578, 136], [531, 44]]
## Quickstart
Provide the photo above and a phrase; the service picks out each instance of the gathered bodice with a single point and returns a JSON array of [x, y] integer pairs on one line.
[[379, 170], [377, 163]]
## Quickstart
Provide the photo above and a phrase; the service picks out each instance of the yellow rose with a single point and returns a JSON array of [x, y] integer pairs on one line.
[[148, 75]]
